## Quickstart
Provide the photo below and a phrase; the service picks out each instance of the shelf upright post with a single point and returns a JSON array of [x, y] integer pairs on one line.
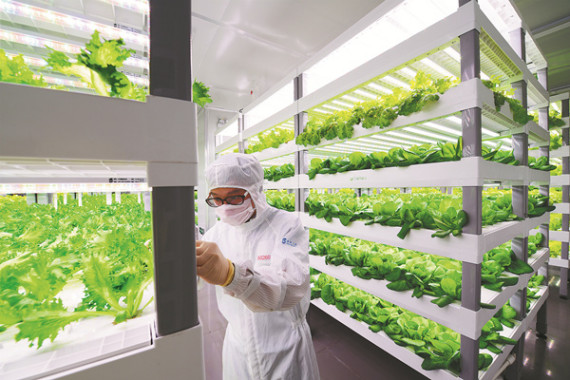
[[520, 193], [519, 244], [173, 206], [565, 199], [206, 150], [541, 319], [472, 199], [301, 157]]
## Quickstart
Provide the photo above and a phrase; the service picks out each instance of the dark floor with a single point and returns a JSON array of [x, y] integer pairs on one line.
[[342, 354]]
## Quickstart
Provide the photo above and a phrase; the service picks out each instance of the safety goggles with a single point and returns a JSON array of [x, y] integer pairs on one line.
[[234, 200]]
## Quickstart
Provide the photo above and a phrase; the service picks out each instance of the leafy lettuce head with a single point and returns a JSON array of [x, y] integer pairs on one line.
[[241, 171]]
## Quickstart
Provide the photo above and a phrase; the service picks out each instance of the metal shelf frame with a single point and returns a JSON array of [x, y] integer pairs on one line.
[[563, 263]]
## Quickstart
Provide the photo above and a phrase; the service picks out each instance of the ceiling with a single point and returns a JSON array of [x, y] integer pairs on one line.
[[242, 48]]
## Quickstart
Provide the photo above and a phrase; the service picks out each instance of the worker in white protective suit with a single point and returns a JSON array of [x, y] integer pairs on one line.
[[259, 257]]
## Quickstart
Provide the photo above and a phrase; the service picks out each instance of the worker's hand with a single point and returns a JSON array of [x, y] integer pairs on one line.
[[211, 264]]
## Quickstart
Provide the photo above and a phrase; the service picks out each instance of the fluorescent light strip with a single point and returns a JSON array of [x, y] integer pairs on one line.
[[32, 61], [335, 150], [453, 53], [443, 128], [67, 21], [436, 67], [408, 72], [341, 103], [39, 42], [429, 134], [486, 131], [366, 94], [319, 110], [361, 144], [377, 87], [347, 146], [351, 99], [38, 62], [134, 5], [489, 132], [455, 119], [332, 107], [386, 141], [395, 81], [411, 137]]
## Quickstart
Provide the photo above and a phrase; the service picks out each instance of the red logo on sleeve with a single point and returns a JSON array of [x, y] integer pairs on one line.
[[264, 257]]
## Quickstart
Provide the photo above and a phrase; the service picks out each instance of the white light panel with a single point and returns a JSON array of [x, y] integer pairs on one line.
[[397, 25], [279, 100]]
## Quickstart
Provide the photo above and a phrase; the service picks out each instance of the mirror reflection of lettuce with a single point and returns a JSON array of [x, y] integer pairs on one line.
[[96, 65]]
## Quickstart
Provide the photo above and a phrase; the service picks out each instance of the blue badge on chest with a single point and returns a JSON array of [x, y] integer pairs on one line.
[[288, 242]]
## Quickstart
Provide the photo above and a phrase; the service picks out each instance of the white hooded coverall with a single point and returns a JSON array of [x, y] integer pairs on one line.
[[265, 304]]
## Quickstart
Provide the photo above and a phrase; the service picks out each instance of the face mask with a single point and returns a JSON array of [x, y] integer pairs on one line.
[[235, 215]]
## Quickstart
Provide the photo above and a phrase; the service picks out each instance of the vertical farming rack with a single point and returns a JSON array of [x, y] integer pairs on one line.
[[464, 43]]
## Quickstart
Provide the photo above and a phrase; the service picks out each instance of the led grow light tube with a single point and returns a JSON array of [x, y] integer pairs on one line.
[[319, 110], [395, 82], [408, 72], [443, 128], [429, 134], [411, 137], [341, 103], [377, 87], [351, 99], [386, 141], [452, 53], [71, 22], [39, 42], [428, 62], [332, 107], [135, 5], [363, 144], [365, 94], [32, 61], [488, 132]]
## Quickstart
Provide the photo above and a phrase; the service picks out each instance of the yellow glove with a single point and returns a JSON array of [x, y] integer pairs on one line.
[[211, 264]]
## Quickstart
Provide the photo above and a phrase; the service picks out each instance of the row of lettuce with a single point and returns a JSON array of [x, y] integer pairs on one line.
[[382, 112], [424, 208], [98, 66], [402, 157]]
